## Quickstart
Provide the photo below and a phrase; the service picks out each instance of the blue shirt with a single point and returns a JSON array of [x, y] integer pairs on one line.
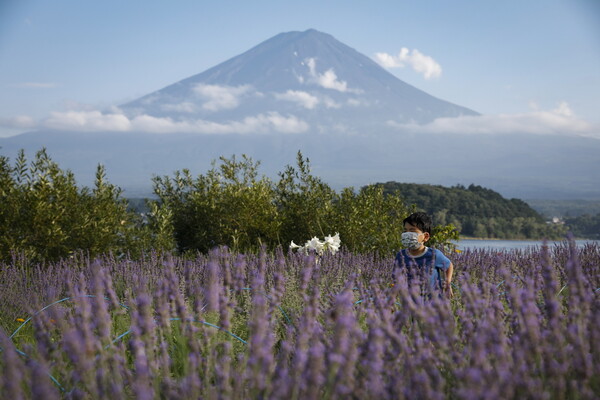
[[431, 263]]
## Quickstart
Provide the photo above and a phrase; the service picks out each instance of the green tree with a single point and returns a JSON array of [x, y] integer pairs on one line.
[[304, 202], [584, 226], [370, 221], [476, 211], [45, 216], [229, 205]]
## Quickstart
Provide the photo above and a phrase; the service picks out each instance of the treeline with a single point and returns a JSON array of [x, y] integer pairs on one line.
[[584, 226], [477, 211], [44, 215], [565, 208], [233, 205]]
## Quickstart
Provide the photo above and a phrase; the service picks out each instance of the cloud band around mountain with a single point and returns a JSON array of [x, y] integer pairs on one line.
[[560, 121], [18, 122], [95, 121]]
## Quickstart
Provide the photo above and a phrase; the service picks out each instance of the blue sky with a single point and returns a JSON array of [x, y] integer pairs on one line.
[[509, 60]]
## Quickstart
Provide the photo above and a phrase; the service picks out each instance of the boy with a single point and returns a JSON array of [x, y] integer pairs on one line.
[[429, 263]]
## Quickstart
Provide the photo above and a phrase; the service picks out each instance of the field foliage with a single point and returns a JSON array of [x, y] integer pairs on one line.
[[283, 325]]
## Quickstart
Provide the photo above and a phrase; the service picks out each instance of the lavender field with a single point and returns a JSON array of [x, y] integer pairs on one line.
[[521, 324]]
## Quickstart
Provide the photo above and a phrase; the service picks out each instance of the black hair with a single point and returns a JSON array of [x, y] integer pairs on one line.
[[421, 220]]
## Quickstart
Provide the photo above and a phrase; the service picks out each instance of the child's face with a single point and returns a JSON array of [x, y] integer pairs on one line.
[[423, 236]]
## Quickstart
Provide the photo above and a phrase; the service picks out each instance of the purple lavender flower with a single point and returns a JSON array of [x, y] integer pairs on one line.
[[12, 369]]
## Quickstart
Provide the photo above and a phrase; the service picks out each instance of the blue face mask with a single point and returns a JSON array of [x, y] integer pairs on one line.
[[410, 240]]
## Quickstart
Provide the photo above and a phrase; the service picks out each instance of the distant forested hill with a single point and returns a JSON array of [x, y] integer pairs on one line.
[[565, 208], [476, 211], [584, 226]]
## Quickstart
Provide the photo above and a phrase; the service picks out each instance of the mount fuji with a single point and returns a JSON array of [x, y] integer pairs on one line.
[[307, 91], [308, 76]]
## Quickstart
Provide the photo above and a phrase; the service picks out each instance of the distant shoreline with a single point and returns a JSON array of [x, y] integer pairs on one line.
[[523, 240], [502, 244]]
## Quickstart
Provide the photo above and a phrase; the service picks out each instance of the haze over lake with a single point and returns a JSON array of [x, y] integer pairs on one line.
[[491, 244]]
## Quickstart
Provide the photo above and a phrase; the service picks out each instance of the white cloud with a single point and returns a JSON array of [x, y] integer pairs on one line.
[[419, 62], [305, 99], [150, 99], [261, 123], [279, 123], [560, 121], [36, 85], [18, 122], [357, 102], [564, 109], [89, 121], [328, 80], [533, 105], [330, 103], [185, 107], [220, 97], [71, 105]]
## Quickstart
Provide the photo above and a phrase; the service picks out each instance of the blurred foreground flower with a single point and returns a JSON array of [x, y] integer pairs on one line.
[[331, 243]]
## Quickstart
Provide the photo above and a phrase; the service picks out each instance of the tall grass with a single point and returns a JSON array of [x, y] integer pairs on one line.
[[522, 324]]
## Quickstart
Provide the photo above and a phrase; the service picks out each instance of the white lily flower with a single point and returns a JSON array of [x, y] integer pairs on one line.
[[333, 242], [315, 244]]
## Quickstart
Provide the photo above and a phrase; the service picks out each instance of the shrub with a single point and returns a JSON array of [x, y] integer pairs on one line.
[[45, 216]]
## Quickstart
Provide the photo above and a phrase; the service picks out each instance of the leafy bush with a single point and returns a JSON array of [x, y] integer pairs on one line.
[[45, 216], [305, 204], [229, 205], [371, 221]]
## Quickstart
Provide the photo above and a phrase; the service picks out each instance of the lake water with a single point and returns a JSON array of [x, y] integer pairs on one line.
[[512, 244]]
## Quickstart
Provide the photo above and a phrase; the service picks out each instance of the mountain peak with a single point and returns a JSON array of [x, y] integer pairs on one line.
[[313, 33], [309, 33]]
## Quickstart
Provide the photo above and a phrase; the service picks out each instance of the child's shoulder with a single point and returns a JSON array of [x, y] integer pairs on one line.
[[440, 254], [436, 251]]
